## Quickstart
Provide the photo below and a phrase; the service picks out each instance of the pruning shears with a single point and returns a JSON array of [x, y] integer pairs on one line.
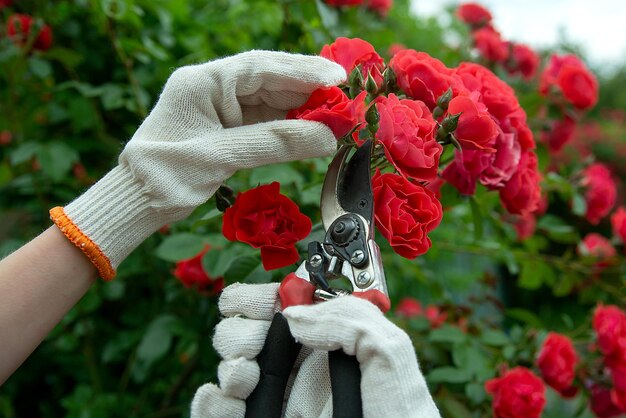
[[347, 251]]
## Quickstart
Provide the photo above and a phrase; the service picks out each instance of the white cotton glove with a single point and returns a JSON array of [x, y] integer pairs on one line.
[[391, 382], [211, 120]]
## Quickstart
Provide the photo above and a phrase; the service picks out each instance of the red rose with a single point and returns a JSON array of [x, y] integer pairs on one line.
[[475, 129], [266, 219], [5, 3], [435, 316], [618, 375], [609, 323], [618, 222], [522, 193], [192, 275], [406, 132], [498, 96], [523, 60], [380, 6], [473, 14], [601, 192], [423, 77], [405, 213], [596, 246], [570, 75], [519, 393], [489, 43], [601, 403], [409, 308], [333, 108], [557, 361], [503, 163], [516, 123], [19, 30], [350, 53], [560, 133]]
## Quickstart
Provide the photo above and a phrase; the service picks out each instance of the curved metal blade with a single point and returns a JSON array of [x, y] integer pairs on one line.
[[348, 186]]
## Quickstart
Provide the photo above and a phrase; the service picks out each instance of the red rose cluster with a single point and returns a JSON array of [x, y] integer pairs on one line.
[[572, 89], [515, 58], [379, 6], [21, 28], [192, 275], [609, 323], [467, 106], [618, 222]]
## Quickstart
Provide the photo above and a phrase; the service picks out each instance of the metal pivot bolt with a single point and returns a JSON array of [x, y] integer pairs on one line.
[[363, 279], [315, 260], [357, 256]]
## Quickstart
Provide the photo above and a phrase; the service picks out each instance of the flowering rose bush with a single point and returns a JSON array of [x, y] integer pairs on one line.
[[192, 275], [600, 192], [21, 28], [568, 75], [557, 361]]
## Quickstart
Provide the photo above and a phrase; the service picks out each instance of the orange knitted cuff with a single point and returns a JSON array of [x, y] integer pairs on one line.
[[83, 242]]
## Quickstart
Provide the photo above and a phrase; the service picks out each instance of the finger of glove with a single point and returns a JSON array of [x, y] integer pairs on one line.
[[311, 387], [255, 301], [272, 142], [210, 402], [240, 337], [238, 377]]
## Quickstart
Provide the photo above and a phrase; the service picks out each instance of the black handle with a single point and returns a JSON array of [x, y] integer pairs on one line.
[[276, 361], [345, 382]]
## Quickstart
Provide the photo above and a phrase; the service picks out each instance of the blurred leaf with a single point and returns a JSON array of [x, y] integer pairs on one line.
[[5, 173], [476, 393], [283, 173], [449, 375], [579, 205], [24, 152], [41, 68], [558, 230], [216, 262], [247, 269], [494, 337], [56, 159], [534, 273], [180, 247], [454, 408], [525, 316], [447, 334], [157, 339]]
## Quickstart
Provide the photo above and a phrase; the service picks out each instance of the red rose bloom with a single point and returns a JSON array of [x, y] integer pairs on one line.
[[519, 393], [350, 53], [523, 60], [473, 14], [570, 75], [489, 43], [405, 213], [380, 6], [498, 96], [596, 246], [394, 49], [522, 193], [266, 219], [406, 132], [557, 361], [601, 403], [618, 222], [601, 192], [475, 129], [333, 108], [423, 77], [409, 308], [609, 323], [19, 30], [192, 275], [561, 132]]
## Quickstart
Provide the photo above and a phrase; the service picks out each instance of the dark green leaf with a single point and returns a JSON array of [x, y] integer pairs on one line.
[[525, 316], [24, 152], [447, 334], [157, 339], [494, 337], [449, 375], [247, 269], [216, 262], [180, 247], [56, 159]]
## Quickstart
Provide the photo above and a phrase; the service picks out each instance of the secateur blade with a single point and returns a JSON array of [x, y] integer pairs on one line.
[[348, 185]]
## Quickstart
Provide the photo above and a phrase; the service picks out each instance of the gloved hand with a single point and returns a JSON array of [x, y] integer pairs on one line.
[[211, 120], [391, 382]]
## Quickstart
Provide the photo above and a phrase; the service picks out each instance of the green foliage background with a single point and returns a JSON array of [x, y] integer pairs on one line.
[[140, 345]]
